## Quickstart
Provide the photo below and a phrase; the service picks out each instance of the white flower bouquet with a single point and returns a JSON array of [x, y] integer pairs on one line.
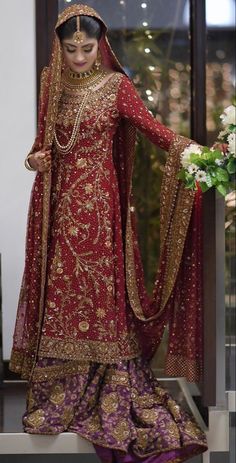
[[210, 167]]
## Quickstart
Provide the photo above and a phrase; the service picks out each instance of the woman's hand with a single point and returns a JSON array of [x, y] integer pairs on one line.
[[221, 147], [41, 160]]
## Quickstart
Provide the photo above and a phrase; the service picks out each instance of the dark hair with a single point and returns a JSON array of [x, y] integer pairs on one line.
[[91, 26]]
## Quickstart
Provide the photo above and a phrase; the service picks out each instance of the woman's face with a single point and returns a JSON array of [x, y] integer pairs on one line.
[[80, 57]]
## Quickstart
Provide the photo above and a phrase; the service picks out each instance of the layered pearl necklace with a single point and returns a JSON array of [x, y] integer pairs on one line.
[[83, 80]]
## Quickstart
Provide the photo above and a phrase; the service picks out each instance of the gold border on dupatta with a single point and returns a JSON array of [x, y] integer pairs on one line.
[[176, 207], [77, 10], [54, 96]]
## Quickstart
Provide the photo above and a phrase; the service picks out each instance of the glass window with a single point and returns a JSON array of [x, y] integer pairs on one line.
[[220, 91]]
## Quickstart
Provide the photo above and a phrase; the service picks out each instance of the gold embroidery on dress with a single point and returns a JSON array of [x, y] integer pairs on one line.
[[110, 403], [60, 371], [36, 419], [94, 424], [149, 415], [67, 416], [57, 395], [96, 351], [83, 326], [121, 431], [30, 400], [88, 195]]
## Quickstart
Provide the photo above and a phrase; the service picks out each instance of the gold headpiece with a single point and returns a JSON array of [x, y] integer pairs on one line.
[[77, 10], [78, 36]]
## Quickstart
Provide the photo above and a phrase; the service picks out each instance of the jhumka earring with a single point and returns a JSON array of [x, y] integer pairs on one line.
[[98, 61], [63, 66], [78, 36]]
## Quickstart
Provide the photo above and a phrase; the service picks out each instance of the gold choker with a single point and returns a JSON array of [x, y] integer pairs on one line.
[[88, 80], [80, 75]]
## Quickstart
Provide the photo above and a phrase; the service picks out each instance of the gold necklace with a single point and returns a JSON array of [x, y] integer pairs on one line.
[[80, 75], [65, 149], [83, 80], [89, 82]]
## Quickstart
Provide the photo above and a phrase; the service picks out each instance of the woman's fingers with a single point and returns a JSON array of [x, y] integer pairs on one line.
[[41, 160], [44, 162], [221, 146]]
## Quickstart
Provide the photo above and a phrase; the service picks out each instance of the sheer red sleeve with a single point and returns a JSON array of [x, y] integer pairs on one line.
[[38, 142], [131, 106]]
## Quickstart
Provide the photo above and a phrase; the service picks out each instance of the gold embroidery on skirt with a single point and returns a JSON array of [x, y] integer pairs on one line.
[[121, 431], [94, 425], [110, 403], [142, 438], [36, 418], [30, 400], [57, 395], [173, 430], [192, 429], [147, 400], [149, 416], [67, 416], [174, 409]]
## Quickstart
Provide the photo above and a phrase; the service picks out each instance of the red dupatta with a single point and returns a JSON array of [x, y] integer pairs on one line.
[[177, 294]]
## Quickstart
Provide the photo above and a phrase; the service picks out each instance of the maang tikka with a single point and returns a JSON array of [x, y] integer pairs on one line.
[[78, 36]]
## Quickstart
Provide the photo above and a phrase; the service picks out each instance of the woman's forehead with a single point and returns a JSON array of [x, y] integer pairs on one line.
[[86, 41]]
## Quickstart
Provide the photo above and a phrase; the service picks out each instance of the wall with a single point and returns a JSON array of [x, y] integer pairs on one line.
[[17, 132]]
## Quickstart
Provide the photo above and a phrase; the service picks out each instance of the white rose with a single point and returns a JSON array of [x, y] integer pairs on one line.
[[231, 139], [229, 116], [185, 156]]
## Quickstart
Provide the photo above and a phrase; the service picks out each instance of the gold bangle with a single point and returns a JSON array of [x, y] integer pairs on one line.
[[27, 164]]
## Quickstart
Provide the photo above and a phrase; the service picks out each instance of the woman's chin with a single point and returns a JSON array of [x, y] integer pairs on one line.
[[78, 68]]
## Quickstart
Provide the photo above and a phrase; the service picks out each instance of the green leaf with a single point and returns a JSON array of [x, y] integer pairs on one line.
[[231, 166], [194, 158], [216, 154], [222, 175], [203, 186], [190, 182], [222, 189], [208, 180], [189, 177], [181, 175], [212, 170]]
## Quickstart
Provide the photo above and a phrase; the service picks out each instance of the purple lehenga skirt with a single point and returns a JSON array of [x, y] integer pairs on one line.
[[120, 408]]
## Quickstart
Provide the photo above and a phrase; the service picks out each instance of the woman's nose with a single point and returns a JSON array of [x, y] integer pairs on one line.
[[79, 58]]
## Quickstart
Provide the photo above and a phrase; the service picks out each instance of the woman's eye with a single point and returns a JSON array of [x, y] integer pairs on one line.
[[70, 51], [88, 50]]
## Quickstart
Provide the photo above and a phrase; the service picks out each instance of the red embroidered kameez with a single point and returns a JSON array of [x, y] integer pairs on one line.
[[86, 316]]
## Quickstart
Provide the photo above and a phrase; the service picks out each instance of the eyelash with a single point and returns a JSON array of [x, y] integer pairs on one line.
[[72, 51]]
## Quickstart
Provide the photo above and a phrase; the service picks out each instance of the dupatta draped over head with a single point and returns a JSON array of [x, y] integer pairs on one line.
[[176, 299]]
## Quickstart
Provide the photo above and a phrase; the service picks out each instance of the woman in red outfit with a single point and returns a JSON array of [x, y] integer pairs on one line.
[[86, 327]]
